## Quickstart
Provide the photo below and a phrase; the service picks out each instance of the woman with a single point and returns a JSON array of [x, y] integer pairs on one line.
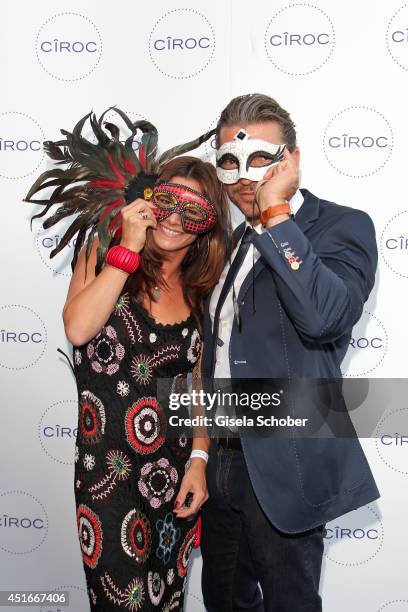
[[137, 322]]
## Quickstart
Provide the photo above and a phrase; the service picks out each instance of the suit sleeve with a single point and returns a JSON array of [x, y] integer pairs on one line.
[[323, 291]]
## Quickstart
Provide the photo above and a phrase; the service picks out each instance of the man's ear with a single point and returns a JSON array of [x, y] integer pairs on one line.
[[296, 156]]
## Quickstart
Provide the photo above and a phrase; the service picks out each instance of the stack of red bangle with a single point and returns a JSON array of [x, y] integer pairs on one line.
[[123, 258]]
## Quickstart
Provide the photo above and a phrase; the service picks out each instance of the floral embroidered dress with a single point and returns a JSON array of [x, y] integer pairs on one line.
[[127, 471]]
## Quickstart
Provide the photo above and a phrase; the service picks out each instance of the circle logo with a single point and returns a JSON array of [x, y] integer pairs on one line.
[[124, 131], [182, 43], [391, 440], [397, 37], [21, 139], [394, 244], [78, 599], [368, 346], [68, 46], [299, 39], [358, 141], [354, 538], [24, 522], [397, 605], [210, 145], [23, 337], [57, 431], [48, 239]]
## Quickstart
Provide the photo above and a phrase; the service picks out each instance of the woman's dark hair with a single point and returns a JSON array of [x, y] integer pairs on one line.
[[205, 259]]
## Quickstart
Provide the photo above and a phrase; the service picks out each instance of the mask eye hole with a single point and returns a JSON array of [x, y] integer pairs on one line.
[[193, 212], [228, 162], [164, 200], [259, 159]]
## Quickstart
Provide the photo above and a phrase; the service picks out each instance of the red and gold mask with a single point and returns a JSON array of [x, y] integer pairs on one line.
[[197, 213]]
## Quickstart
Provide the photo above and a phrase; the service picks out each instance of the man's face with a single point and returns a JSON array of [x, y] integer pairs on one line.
[[242, 193]]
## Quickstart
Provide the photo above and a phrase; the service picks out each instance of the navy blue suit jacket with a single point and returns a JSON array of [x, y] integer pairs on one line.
[[301, 329]]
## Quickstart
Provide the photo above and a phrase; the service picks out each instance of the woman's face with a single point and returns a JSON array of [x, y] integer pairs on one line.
[[170, 235]]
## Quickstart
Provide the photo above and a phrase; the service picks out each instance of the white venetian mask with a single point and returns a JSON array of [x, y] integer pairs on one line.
[[246, 158]]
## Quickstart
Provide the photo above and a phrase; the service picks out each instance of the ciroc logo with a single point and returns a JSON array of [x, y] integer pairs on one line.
[[367, 348], [299, 39], [23, 337], [397, 37], [354, 538], [358, 141], [57, 431], [45, 240], [23, 522], [182, 43], [391, 440], [21, 139], [68, 46], [394, 244]]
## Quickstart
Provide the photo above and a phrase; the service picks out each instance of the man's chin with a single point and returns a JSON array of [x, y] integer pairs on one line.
[[249, 210]]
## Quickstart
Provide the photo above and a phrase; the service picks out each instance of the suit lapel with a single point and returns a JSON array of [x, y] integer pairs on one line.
[[250, 277], [236, 236]]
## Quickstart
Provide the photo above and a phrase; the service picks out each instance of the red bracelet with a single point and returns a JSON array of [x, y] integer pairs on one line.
[[123, 258]]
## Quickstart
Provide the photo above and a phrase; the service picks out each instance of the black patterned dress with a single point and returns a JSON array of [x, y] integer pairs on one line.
[[127, 470]]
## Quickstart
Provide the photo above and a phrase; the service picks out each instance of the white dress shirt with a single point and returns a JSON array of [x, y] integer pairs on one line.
[[222, 365]]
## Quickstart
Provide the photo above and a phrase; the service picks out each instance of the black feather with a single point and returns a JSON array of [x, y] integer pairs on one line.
[[80, 163]]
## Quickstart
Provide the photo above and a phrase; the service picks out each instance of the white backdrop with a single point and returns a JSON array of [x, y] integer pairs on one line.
[[341, 70]]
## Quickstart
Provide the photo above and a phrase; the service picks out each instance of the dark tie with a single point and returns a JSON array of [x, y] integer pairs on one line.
[[229, 279]]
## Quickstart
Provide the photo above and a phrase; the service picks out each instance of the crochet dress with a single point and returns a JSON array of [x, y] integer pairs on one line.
[[127, 470]]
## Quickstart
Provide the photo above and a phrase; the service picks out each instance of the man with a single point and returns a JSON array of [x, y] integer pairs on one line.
[[287, 316]]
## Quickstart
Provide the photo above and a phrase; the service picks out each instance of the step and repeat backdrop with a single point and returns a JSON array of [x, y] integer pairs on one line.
[[341, 71]]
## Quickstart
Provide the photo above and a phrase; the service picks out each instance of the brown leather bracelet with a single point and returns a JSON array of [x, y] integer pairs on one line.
[[274, 211]]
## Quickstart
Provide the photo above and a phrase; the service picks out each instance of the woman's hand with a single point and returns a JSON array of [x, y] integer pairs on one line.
[[194, 482], [136, 218]]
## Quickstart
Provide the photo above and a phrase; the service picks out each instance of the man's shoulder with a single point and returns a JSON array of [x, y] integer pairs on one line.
[[336, 213]]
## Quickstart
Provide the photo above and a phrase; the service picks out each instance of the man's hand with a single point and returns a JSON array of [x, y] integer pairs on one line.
[[194, 482], [282, 183]]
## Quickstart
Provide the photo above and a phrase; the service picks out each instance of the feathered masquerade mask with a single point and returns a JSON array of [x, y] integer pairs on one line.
[[100, 178]]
